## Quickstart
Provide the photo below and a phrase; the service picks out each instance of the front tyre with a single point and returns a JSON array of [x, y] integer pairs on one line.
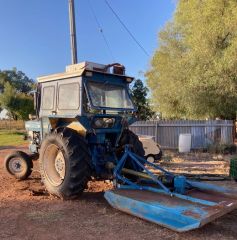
[[19, 165], [65, 164]]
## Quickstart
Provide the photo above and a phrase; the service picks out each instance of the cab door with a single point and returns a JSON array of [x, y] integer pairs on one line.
[[68, 97], [48, 99]]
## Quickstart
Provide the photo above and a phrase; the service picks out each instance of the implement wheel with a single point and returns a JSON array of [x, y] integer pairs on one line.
[[65, 164], [19, 165]]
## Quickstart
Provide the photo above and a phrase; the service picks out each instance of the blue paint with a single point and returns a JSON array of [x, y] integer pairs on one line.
[[180, 184], [139, 164], [169, 206], [154, 166], [178, 215], [168, 216], [154, 178], [211, 187], [195, 200]]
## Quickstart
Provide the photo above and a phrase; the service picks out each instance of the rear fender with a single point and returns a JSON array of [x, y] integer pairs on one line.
[[71, 123]]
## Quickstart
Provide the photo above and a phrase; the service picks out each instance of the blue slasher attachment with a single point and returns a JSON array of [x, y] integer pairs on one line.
[[168, 200]]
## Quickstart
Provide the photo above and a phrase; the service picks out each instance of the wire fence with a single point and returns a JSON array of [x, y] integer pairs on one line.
[[203, 133], [166, 132], [12, 125]]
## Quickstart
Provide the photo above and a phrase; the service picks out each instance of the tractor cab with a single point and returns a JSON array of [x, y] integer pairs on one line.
[[90, 99], [90, 87], [86, 96]]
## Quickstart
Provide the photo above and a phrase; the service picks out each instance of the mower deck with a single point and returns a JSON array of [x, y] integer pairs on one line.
[[171, 201], [178, 212]]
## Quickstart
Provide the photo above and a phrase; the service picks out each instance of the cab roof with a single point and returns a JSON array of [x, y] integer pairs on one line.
[[77, 70]]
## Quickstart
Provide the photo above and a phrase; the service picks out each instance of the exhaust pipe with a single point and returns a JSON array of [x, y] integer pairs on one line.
[[73, 37]]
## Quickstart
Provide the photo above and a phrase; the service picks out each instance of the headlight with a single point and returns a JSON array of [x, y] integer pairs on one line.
[[103, 122], [99, 123]]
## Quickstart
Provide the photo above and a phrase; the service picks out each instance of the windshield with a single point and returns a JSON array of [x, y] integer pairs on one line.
[[109, 96]]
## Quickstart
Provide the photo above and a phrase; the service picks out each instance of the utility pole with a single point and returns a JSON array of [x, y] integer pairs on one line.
[[73, 37]]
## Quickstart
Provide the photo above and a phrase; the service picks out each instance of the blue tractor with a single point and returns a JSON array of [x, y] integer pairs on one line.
[[81, 128], [81, 132]]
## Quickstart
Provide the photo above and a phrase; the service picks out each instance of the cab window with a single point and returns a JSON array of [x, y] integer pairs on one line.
[[68, 96], [48, 98]]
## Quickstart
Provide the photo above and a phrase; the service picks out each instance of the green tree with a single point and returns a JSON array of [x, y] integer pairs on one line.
[[139, 96], [8, 100], [14, 86], [193, 73], [17, 79]]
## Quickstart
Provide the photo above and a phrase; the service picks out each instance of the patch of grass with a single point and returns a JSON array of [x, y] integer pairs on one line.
[[11, 138]]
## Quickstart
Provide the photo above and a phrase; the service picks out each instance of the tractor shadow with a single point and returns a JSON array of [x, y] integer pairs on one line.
[[94, 197]]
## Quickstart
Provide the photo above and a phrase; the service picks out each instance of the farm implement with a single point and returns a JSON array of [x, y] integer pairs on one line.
[[168, 200]]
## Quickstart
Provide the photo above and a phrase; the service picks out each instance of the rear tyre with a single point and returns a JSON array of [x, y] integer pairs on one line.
[[128, 137], [65, 164], [19, 165]]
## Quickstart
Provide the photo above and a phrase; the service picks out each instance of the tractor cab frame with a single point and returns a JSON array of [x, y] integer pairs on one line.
[[91, 99]]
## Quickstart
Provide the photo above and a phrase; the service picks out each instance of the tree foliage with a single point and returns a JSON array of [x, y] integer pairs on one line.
[[141, 101], [17, 79], [14, 88], [193, 73]]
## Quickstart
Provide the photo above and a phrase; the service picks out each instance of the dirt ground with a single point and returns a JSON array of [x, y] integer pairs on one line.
[[28, 212]]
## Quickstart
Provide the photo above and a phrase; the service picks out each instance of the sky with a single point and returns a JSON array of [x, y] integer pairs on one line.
[[34, 34]]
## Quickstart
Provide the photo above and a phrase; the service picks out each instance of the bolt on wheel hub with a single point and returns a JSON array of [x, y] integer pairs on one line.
[[15, 165], [60, 165], [54, 165]]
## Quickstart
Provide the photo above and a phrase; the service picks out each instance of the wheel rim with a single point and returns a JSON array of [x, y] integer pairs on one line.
[[16, 165], [151, 159], [54, 165]]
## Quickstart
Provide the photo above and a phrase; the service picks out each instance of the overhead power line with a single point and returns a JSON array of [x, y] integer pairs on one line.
[[126, 28], [101, 30]]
